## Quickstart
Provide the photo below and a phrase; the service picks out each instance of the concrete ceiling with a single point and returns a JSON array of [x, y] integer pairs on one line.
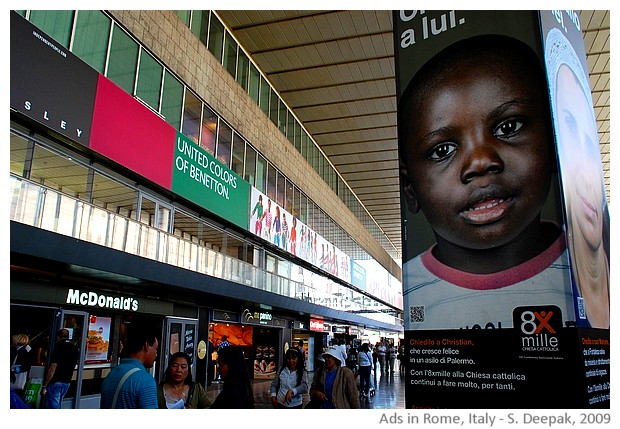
[[335, 70]]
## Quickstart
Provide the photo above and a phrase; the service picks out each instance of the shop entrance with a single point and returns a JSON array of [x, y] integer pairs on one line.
[[41, 325], [180, 337]]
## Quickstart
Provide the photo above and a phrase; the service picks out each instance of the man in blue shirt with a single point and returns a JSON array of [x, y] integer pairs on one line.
[[129, 385]]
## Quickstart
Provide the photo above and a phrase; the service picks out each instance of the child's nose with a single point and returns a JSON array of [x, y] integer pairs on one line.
[[480, 159]]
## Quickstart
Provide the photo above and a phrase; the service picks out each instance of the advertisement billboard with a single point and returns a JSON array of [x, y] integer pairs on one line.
[[490, 315]]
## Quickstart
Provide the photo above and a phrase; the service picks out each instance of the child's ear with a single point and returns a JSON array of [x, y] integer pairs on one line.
[[412, 200]]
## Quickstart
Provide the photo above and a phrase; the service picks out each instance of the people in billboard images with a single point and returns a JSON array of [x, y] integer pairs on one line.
[[268, 220], [257, 212], [582, 178], [477, 158], [277, 227]]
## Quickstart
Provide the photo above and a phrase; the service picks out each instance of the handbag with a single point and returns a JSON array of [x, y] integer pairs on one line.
[[18, 378]]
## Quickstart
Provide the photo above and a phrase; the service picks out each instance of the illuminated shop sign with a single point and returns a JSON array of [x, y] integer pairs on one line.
[[317, 325], [259, 317], [340, 329], [99, 300]]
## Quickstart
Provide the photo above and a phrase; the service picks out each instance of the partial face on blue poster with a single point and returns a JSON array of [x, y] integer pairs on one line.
[[587, 216]]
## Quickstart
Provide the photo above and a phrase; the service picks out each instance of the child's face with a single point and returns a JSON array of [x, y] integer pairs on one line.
[[578, 141], [479, 159]]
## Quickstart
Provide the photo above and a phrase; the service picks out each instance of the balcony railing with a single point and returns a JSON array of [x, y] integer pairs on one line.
[[48, 209]]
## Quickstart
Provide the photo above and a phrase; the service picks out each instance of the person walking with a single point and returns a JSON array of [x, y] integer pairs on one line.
[[302, 350], [129, 385], [364, 360], [60, 371], [390, 357], [237, 390], [177, 389], [21, 361], [291, 382], [381, 350], [334, 386]]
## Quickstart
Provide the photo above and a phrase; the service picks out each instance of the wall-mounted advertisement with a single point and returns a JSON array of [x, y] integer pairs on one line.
[[52, 86], [98, 340], [586, 210], [49, 84], [489, 313], [201, 178], [270, 221]]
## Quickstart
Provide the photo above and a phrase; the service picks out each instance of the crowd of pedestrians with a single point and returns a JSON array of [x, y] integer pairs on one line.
[[342, 375]]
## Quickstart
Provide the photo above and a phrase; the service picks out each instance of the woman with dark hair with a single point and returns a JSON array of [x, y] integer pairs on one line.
[[291, 382], [237, 390], [177, 390]]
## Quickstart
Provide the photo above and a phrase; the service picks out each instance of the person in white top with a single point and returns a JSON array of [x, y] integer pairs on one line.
[[364, 361]]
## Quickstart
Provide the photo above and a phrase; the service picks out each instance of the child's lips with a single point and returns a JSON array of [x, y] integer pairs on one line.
[[486, 211]]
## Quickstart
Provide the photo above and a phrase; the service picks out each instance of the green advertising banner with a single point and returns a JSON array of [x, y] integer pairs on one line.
[[200, 178]]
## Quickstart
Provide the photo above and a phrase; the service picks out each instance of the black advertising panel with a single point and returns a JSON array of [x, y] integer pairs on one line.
[[490, 319], [49, 84]]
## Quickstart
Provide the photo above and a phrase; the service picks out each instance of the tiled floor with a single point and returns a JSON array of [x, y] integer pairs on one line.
[[389, 392]]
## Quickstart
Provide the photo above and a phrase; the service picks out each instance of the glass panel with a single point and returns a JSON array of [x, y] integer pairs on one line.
[[200, 24], [184, 15], [288, 197], [304, 145], [234, 247], [113, 196], [58, 172], [216, 37], [230, 54], [164, 215], [314, 157], [191, 117], [224, 144], [147, 212], [283, 118], [19, 154], [56, 23], [243, 64], [261, 173], [209, 130], [149, 80], [303, 208], [174, 339], [297, 136], [296, 202], [172, 100], [123, 60], [254, 83], [280, 188], [238, 152], [290, 129], [310, 214], [264, 95], [90, 42], [271, 181], [250, 165], [75, 324], [274, 106]]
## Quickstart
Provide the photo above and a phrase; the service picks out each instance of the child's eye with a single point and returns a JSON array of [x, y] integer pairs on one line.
[[441, 151], [571, 123], [508, 128]]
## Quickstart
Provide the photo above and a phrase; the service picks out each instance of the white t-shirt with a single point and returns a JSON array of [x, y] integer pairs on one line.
[[440, 297]]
